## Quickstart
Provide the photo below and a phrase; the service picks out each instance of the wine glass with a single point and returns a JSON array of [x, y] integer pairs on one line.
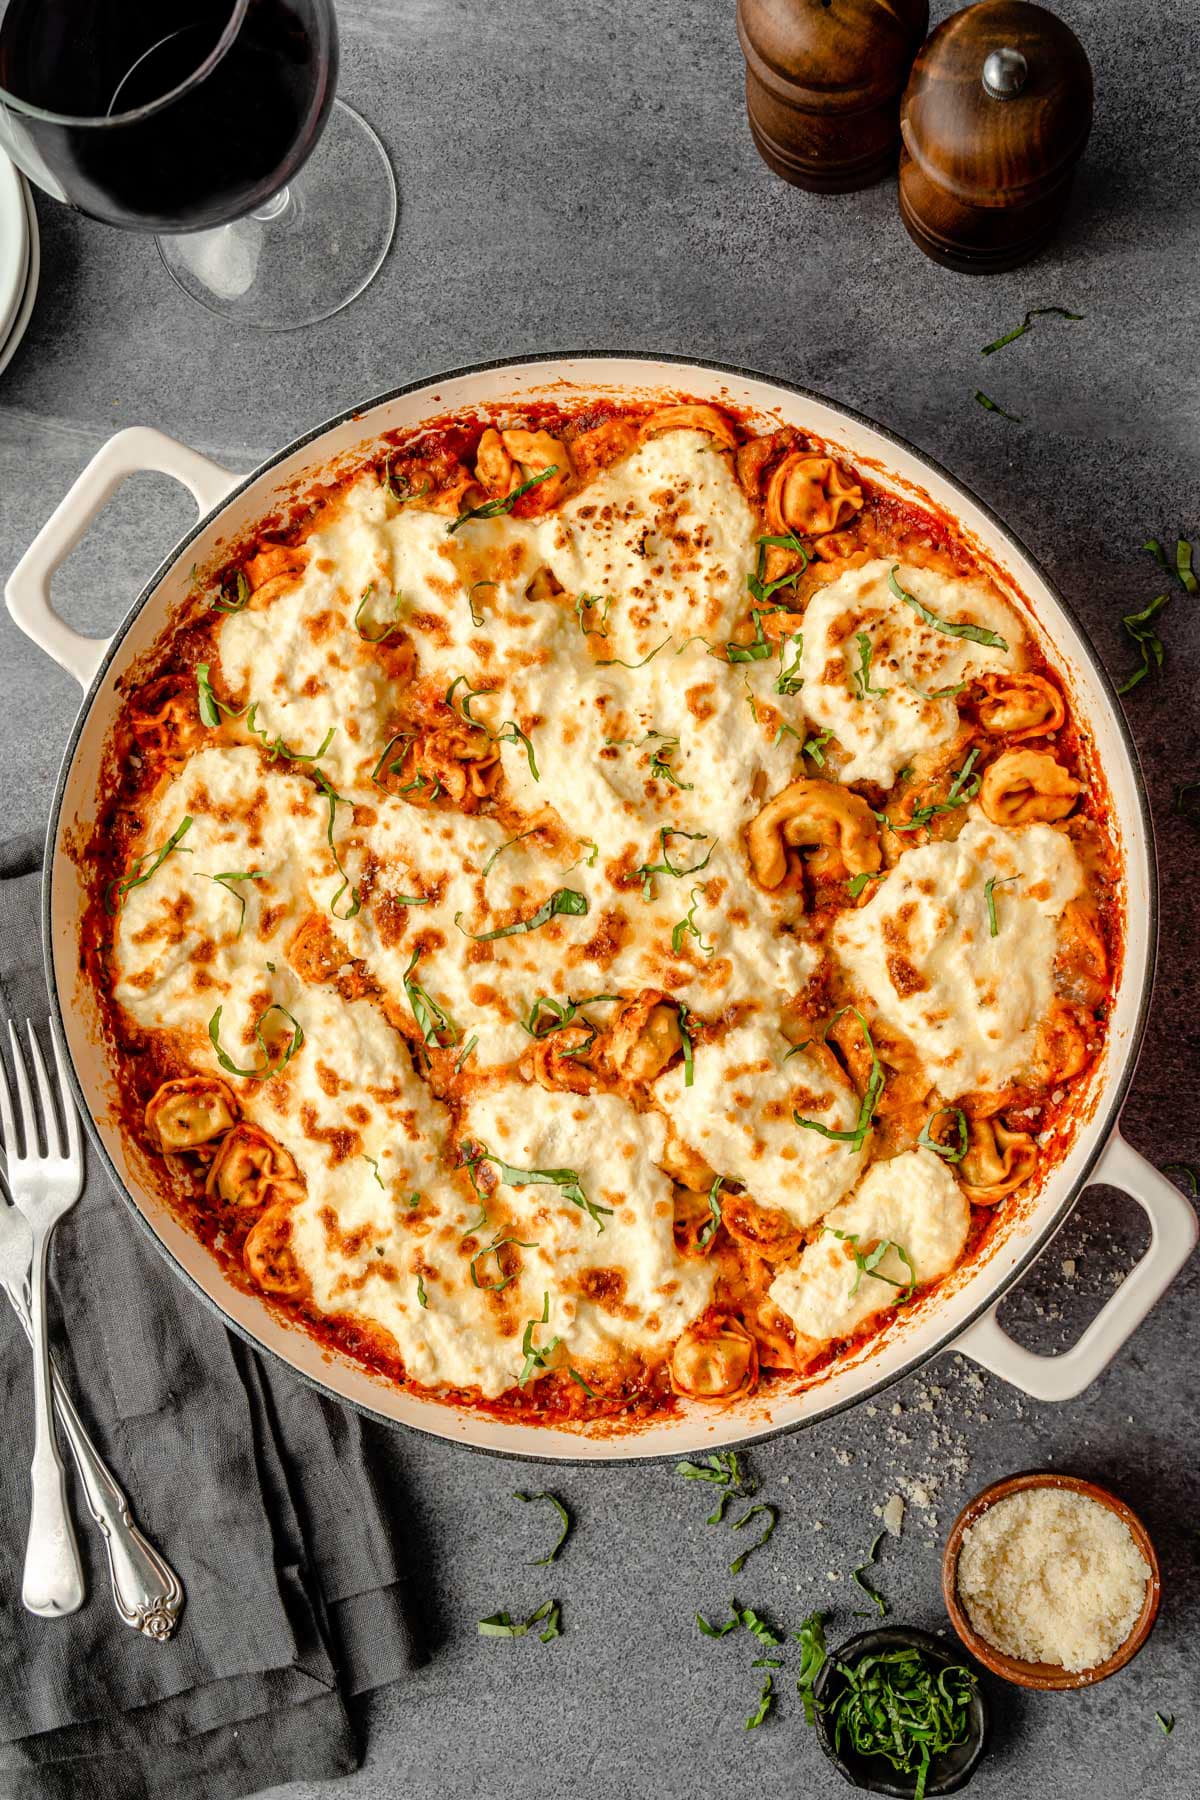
[[213, 124]]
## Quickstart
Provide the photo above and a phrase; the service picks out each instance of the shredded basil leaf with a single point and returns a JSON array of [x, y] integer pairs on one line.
[[207, 704], [719, 1631], [534, 1358], [859, 882], [498, 1243], [266, 1068], [335, 799], [239, 875], [560, 1014], [402, 494], [948, 1152], [578, 1379], [978, 634], [564, 1518], [565, 1180], [739, 1562], [811, 1638], [1166, 1723], [760, 588], [709, 1230], [666, 867], [989, 405], [689, 1049], [815, 747], [660, 766], [789, 681], [501, 1625], [422, 1299], [375, 1170], [1190, 1175], [223, 604], [989, 889], [434, 1023], [766, 1701], [278, 748], [859, 1577], [869, 1264], [477, 617], [586, 603], [116, 890], [687, 927], [862, 675], [563, 900], [615, 662], [1138, 626], [870, 1099], [758, 651], [1038, 312], [493, 509], [387, 631]]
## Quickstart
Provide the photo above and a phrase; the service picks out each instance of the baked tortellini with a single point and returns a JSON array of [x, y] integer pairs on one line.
[[1019, 705], [810, 495], [814, 813], [191, 1112], [644, 1037], [997, 1160], [1024, 786], [715, 1359], [249, 1167]]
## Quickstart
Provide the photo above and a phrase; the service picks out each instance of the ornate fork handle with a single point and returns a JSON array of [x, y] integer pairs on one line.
[[146, 1591]]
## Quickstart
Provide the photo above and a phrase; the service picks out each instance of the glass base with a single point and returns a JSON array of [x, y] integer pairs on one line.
[[310, 250]]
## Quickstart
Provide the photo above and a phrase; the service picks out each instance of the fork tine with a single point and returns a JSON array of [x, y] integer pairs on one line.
[[50, 1125], [70, 1116], [7, 1123], [24, 1096]]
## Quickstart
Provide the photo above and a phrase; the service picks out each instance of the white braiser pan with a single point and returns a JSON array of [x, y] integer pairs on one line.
[[963, 1314]]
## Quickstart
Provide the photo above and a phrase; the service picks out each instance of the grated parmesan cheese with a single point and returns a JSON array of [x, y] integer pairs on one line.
[[1049, 1575]]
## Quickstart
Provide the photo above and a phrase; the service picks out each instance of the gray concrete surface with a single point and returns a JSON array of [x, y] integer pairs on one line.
[[582, 176]]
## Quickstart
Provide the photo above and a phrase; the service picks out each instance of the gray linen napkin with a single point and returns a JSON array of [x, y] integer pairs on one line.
[[268, 1500]]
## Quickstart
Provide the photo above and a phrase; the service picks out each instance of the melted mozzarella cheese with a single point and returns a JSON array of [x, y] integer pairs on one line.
[[179, 935], [738, 1115], [912, 1200], [618, 1290], [922, 951], [667, 535], [911, 661]]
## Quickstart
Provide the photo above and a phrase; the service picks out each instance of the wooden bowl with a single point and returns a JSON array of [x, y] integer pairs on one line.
[[1046, 1676]]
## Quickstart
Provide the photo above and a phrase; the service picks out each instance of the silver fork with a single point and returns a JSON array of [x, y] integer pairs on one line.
[[147, 1593], [44, 1187]]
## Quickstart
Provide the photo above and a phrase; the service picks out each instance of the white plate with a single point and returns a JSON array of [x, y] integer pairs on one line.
[[8, 348], [14, 245]]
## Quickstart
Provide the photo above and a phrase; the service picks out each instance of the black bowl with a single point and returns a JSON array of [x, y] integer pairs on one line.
[[948, 1772]]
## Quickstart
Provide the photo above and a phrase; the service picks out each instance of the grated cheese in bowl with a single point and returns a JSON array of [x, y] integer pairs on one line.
[[1052, 1576]]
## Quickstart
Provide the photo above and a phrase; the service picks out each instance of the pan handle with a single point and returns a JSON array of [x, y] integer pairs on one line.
[[27, 591], [1173, 1232]]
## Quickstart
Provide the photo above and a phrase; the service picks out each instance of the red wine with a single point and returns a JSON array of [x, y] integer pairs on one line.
[[180, 114]]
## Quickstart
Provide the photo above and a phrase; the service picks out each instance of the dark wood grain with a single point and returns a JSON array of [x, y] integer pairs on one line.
[[984, 182], [823, 80]]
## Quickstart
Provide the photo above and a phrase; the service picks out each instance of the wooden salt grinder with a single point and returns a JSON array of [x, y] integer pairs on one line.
[[994, 119], [823, 82]]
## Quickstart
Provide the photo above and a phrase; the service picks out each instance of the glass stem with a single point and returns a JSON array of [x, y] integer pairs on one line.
[[275, 206]]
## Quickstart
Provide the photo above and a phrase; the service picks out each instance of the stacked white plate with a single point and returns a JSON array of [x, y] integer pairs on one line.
[[20, 258]]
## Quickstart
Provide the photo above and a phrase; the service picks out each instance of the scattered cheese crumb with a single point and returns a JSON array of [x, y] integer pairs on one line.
[[1068, 1267], [893, 1516], [1050, 1575]]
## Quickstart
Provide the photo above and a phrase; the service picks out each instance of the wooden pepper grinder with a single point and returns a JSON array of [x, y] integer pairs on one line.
[[994, 119], [823, 80]]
